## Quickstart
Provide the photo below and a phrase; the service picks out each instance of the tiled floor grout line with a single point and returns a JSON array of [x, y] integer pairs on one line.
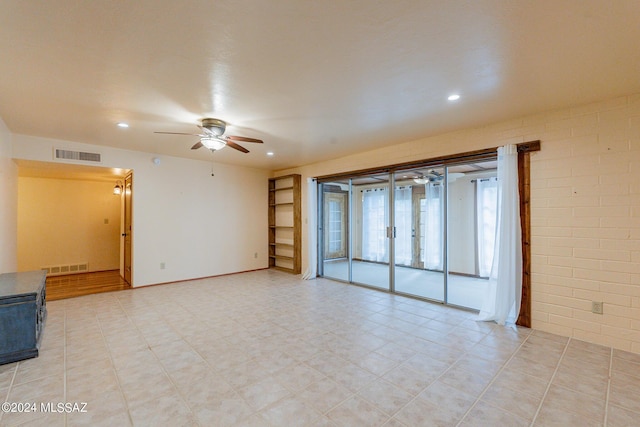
[[606, 400], [432, 382], [113, 367], [13, 378], [391, 416], [555, 371], [322, 414], [64, 362], [253, 323], [354, 394], [135, 325], [495, 377], [351, 395]]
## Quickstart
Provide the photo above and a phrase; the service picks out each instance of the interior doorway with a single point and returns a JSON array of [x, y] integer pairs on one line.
[[70, 220]]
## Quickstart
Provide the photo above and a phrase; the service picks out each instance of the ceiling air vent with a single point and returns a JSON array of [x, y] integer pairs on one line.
[[79, 156]]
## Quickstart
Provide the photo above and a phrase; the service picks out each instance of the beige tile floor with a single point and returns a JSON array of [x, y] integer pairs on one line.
[[267, 349]]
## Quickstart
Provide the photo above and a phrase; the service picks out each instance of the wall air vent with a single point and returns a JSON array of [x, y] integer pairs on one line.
[[78, 156]]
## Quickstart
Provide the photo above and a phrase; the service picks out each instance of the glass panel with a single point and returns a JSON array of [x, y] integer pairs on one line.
[[370, 221], [335, 230], [419, 245], [472, 192]]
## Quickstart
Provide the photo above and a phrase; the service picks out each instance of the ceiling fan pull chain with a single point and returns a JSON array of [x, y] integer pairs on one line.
[[212, 174]]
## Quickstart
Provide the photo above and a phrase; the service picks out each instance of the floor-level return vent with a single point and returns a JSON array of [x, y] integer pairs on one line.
[[59, 270]]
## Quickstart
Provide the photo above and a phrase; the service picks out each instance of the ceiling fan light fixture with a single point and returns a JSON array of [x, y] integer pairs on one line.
[[421, 180], [213, 144]]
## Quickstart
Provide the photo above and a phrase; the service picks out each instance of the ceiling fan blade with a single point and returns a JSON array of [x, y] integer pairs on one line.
[[245, 139], [236, 146], [197, 145], [181, 133]]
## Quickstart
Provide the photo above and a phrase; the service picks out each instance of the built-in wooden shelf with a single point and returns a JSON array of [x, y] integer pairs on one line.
[[283, 188], [286, 245], [285, 191], [281, 257]]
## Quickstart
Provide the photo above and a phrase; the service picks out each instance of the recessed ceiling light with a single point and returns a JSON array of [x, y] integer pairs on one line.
[[453, 97], [123, 125], [269, 153]]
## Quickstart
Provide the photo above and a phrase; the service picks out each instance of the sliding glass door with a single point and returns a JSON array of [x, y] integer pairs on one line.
[[371, 222], [471, 218], [420, 233], [427, 232]]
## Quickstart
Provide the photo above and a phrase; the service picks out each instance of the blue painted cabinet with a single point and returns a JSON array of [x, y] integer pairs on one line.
[[23, 311]]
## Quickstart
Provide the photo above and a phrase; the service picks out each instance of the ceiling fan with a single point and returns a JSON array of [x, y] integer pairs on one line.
[[434, 176], [211, 136], [431, 176]]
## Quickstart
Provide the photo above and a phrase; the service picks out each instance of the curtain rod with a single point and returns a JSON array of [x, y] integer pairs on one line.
[[484, 179]]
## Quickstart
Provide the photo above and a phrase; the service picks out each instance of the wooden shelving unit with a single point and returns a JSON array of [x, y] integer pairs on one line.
[[285, 224]]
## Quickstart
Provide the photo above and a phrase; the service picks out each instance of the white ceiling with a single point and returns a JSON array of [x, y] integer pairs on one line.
[[314, 79]]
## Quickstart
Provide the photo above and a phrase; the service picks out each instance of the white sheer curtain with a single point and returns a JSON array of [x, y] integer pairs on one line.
[[374, 225], [404, 225], [502, 299], [433, 227], [486, 205], [312, 230]]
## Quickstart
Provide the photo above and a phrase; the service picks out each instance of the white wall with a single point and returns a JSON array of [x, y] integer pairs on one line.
[[8, 202], [462, 223], [67, 221], [198, 225]]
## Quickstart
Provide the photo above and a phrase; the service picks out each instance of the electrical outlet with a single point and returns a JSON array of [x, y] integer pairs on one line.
[[255, 255], [163, 265], [596, 307]]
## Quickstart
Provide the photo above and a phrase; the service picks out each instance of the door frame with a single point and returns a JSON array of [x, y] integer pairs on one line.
[[127, 229]]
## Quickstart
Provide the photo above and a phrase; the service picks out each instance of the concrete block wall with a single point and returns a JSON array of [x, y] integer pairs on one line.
[[585, 210], [585, 203]]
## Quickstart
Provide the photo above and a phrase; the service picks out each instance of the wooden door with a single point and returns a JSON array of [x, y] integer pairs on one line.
[[128, 195]]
